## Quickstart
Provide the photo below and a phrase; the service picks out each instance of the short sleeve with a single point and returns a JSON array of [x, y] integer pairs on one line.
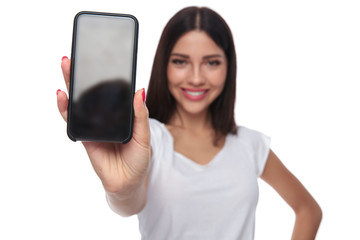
[[160, 140], [262, 153], [259, 146], [155, 136]]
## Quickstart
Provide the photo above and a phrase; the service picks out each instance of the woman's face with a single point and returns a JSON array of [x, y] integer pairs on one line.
[[196, 72]]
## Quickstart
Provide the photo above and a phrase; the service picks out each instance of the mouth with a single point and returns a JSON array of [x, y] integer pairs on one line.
[[194, 94]]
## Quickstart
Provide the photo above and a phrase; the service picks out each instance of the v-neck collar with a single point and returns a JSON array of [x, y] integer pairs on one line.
[[192, 162]]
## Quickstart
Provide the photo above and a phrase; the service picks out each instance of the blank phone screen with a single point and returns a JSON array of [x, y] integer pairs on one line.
[[103, 76]]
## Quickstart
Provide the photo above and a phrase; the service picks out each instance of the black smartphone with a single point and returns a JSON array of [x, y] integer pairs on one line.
[[102, 77]]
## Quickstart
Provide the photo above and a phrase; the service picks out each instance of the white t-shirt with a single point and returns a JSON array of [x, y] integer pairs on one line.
[[216, 201]]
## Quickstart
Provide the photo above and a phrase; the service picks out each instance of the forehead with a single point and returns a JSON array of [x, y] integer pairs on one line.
[[195, 43]]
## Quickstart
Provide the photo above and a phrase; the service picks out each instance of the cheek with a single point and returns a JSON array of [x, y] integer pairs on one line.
[[218, 79], [173, 80], [175, 76]]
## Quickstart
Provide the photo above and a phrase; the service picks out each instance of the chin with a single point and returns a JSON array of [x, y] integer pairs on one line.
[[194, 109]]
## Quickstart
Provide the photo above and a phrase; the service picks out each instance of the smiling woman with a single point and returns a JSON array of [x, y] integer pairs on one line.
[[190, 172], [210, 28], [196, 73], [203, 181]]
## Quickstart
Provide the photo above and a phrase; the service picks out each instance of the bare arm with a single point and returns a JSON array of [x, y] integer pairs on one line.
[[308, 212], [122, 168], [128, 204]]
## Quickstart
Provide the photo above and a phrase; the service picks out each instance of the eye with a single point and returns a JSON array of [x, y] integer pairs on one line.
[[178, 61], [214, 62]]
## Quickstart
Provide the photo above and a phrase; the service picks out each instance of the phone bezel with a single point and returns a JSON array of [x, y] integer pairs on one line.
[[132, 84]]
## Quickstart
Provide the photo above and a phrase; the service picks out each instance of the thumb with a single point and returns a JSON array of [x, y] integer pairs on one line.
[[141, 132]]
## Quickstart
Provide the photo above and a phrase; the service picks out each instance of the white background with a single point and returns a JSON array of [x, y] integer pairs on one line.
[[298, 82]]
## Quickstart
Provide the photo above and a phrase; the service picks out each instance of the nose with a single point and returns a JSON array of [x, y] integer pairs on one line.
[[196, 77]]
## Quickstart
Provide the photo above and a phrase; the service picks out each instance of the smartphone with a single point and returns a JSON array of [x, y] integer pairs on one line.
[[102, 77]]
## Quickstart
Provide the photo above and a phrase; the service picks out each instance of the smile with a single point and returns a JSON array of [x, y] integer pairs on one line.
[[194, 94]]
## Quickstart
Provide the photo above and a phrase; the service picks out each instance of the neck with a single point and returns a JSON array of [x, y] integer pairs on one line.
[[194, 122]]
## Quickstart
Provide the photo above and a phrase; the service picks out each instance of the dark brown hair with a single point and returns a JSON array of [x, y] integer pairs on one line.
[[160, 102]]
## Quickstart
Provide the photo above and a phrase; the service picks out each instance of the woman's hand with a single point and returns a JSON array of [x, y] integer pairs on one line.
[[122, 168]]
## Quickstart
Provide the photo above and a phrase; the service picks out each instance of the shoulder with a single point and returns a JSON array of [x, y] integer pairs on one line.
[[251, 136], [255, 143], [157, 128], [159, 135], [155, 124]]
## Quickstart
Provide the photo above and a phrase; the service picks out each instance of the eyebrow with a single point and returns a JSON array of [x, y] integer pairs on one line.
[[205, 57]]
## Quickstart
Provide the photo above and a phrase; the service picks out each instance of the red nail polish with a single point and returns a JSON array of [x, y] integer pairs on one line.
[[64, 57], [57, 92], [143, 94]]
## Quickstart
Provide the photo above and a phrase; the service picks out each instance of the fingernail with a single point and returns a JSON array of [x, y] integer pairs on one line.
[[143, 94], [64, 57], [57, 92]]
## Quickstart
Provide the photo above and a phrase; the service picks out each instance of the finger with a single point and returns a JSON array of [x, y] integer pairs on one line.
[[65, 66], [141, 132], [62, 102]]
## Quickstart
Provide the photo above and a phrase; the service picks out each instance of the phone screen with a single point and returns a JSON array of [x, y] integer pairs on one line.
[[102, 77]]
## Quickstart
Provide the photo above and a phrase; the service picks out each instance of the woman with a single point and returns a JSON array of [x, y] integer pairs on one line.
[[189, 172]]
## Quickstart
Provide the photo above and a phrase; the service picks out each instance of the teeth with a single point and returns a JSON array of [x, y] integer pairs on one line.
[[195, 93]]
